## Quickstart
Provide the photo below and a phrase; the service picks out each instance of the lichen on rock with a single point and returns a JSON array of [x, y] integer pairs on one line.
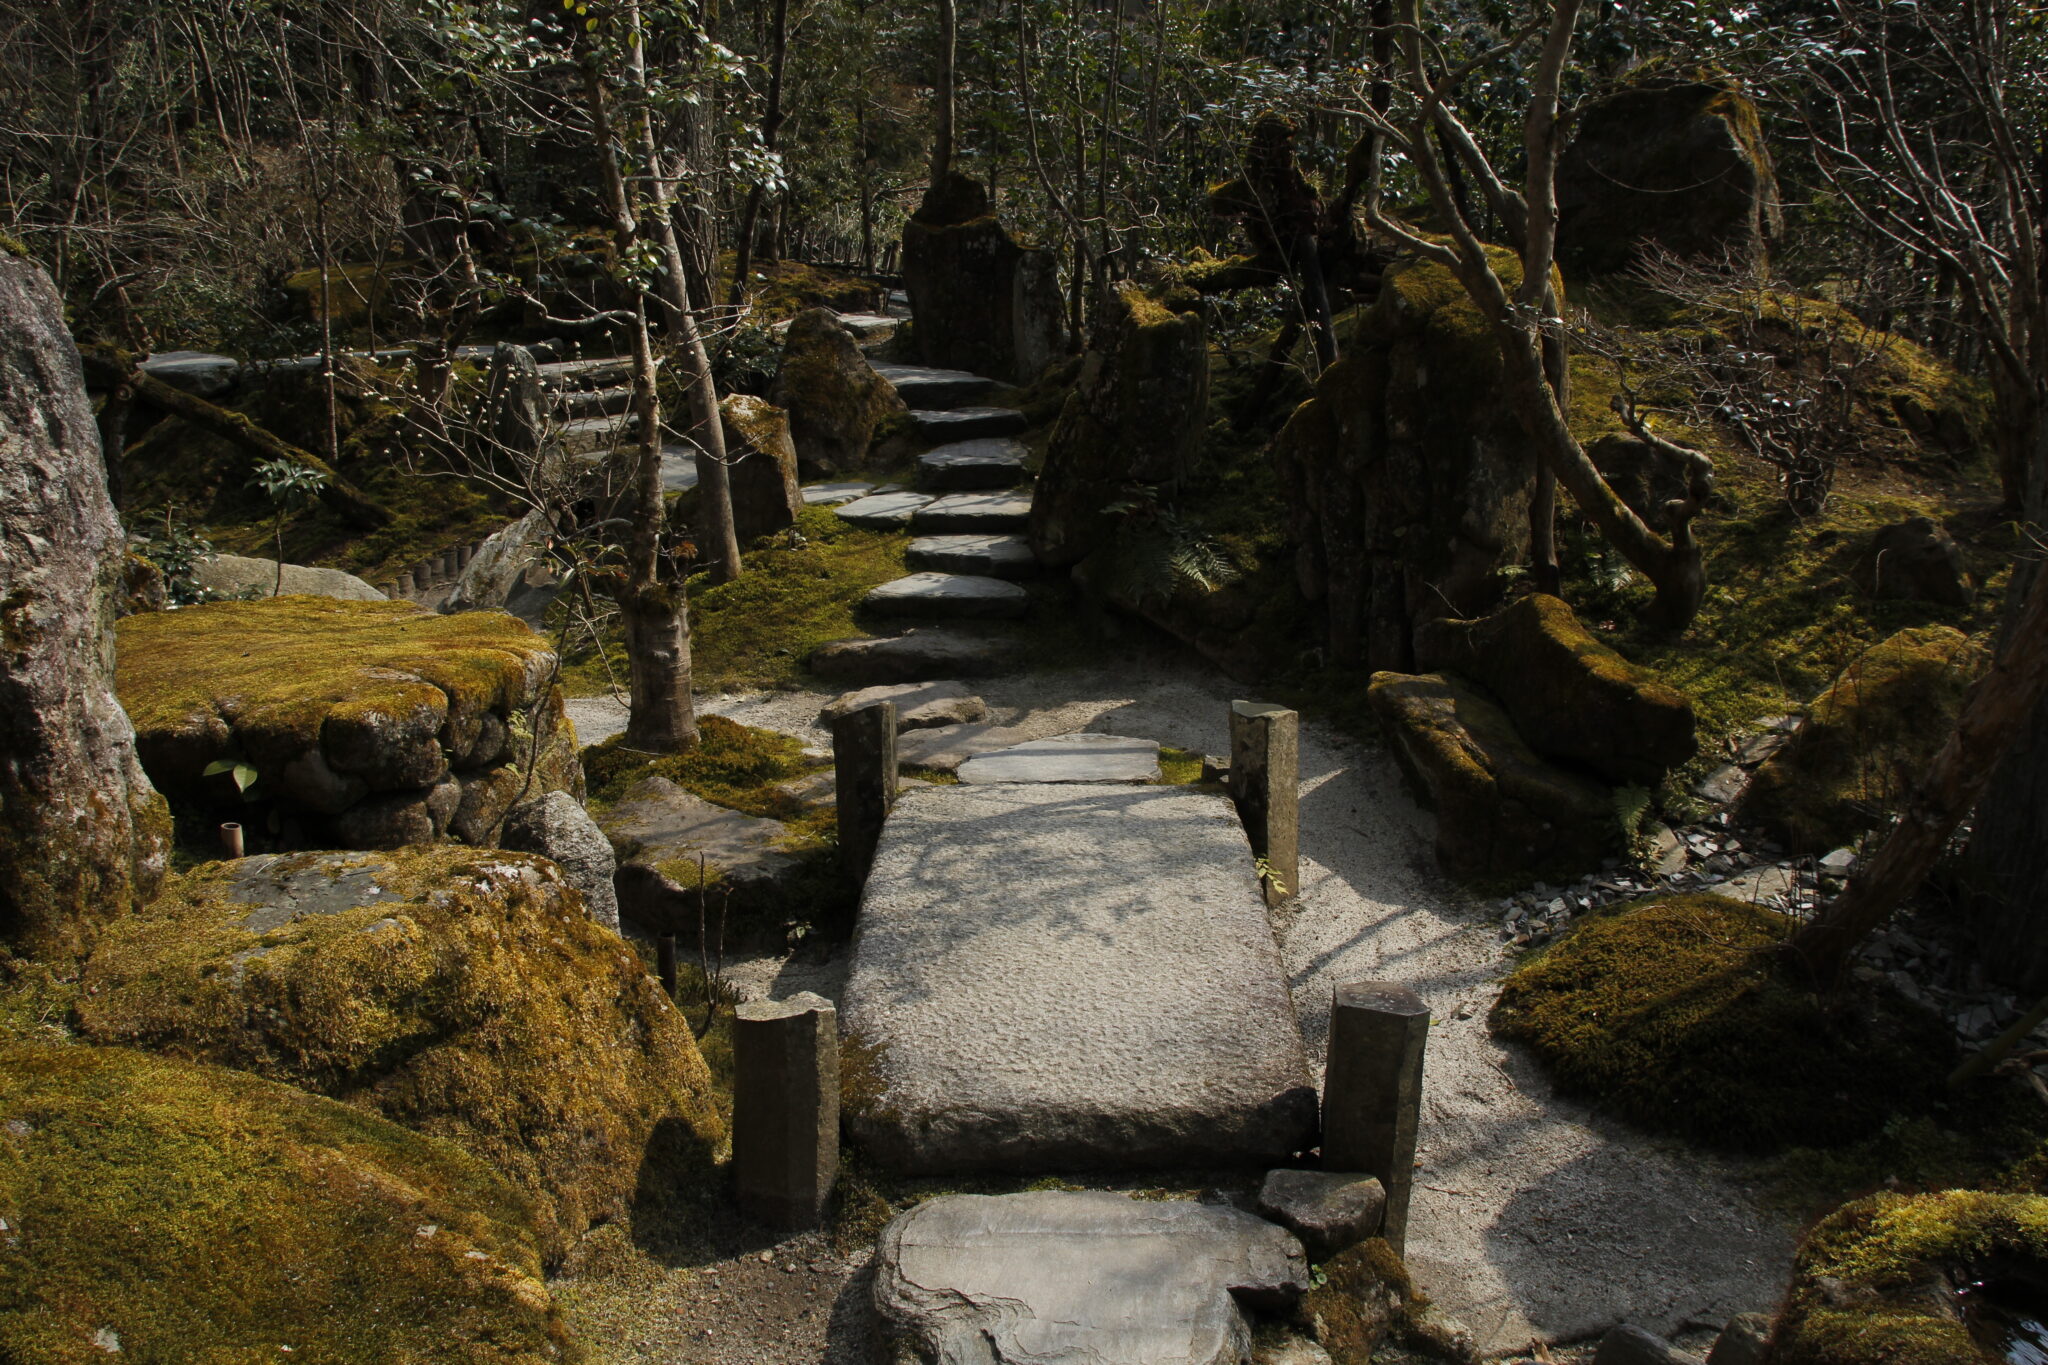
[[835, 401]]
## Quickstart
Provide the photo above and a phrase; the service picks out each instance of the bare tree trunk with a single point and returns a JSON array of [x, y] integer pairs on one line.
[[942, 131], [771, 127]]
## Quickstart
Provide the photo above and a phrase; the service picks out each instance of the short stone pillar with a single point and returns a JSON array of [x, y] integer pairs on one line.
[[864, 776], [1265, 782], [785, 1108], [1372, 1090]]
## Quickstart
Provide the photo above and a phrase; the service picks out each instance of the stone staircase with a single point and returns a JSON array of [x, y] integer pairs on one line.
[[590, 401]]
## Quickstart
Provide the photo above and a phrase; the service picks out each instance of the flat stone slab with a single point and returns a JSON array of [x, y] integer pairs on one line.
[[658, 831], [921, 386], [993, 556], [959, 424], [200, 372], [955, 512], [944, 748], [1080, 1277], [911, 657], [919, 706], [950, 595], [678, 468], [1072, 976], [988, 462], [1068, 758], [832, 494], [884, 511]]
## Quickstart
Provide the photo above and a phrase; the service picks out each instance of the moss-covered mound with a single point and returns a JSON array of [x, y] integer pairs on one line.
[[1672, 1012], [463, 994], [380, 722], [1877, 1280], [1865, 740], [176, 1212], [733, 765]]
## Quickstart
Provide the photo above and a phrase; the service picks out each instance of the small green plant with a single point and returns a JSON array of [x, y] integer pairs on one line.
[[1156, 551], [292, 488], [1271, 879], [177, 552], [1632, 809]]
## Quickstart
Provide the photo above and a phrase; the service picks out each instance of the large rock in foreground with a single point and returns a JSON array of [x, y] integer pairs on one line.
[[461, 993], [765, 495], [374, 724], [1500, 810], [161, 1210], [1070, 976], [1084, 1276], [83, 837], [1571, 697]]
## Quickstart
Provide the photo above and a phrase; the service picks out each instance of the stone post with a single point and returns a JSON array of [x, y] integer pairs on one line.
[[1372, 1090], [864, 774], [785, 1108], [1265, 782]]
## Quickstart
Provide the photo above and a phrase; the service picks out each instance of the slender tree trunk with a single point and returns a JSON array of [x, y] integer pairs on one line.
[[771, 126], [942, 131]]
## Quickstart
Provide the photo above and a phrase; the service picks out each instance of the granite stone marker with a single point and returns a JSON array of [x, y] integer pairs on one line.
[[1265, 782], [1372, 1090], [785, 1108], [864, 771]]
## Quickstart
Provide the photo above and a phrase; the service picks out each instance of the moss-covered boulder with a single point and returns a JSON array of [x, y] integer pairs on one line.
[[1133, 421], [834, 399], [1676, 163], [170, 1211], [1501, 812], [765, 496], [1865, 740], [365, 724], [1407, 478], [464, 994], [1673, 1013], [979, 301], [1571, 697], [1897, 1277]]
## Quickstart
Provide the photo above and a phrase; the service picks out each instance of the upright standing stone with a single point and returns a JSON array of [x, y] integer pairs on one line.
[[864, 771], [785, 1108], [1372, 1090], [1265, 781]]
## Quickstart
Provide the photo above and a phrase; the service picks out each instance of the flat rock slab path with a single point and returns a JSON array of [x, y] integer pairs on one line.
[[1071, 977]]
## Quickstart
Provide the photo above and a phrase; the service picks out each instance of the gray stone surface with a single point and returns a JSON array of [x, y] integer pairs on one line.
[[1265, 782], [1079, 1278], [558, 828], [1327, 1210], [921, 386], [658, 832], [960, 512], [944, 748], [991, 462], [233, 575], [678, 466], [785, 1108], [949, 596], [200, 372], [919, 706], [1372, 1090], [1068, 758], [832, 494], [1072, 976], [912, 657], [960, 424], [863, 781], [993, 556], [1626, 1345], [500, 565], [1742, 1341], [884, 511]]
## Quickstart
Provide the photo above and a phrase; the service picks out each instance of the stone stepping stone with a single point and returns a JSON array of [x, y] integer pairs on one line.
[[936, 390], [944, 748], [911, 657], [871, 326], [884, 511], [951, 595], [1083, 1275], [1072, 976], [993, 556], [961, 424], [960, 512], [201, 372], [919, 706], [668, 828], [593, 435], [832, 494], [1068, 758], [578, 403], [990, 462], [596, 372], [678, 467]]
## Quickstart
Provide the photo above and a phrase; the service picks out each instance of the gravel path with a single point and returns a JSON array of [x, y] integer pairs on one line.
[[1533, 1217]]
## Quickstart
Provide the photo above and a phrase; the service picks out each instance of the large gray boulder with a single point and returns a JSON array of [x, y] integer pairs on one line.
[[1081, 1277], [83, 835], [236, 575], [834, 398], [558, 828], [659, 831], [498, 571], [765, 496]]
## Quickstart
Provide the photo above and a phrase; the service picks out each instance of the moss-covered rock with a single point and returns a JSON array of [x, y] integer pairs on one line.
[[1879, 1279], [1134, 419], [978, 300], [1571, 697], [765, 496], [1500, 810], [375, 723], [460, 993], [178, 1212], [1672, 1012], [1865, 740], [835, 400]]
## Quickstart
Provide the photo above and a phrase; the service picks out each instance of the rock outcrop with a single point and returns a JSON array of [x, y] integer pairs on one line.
[[369, 724], [460, 993], [558, 828], [1915, 560], [978, 300], [765, 496], [249, 575], [83, 835], [834, 398]]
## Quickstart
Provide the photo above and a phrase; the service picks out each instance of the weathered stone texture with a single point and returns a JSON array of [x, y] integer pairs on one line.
[[978, 300]]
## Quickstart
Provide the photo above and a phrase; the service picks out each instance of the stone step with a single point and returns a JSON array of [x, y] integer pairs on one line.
[[1068, 758], [832, 494], [993, 556], [593, 435], [914, 656], [948, 596], [989, 462], [922, 387], [883, 511], [963, 424], [579, 403], [963, 512], [678, 467], [595, 372]]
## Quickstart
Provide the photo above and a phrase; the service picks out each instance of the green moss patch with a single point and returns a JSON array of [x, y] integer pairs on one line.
[[181, 1212], [1672, 1012], [733, 765]]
